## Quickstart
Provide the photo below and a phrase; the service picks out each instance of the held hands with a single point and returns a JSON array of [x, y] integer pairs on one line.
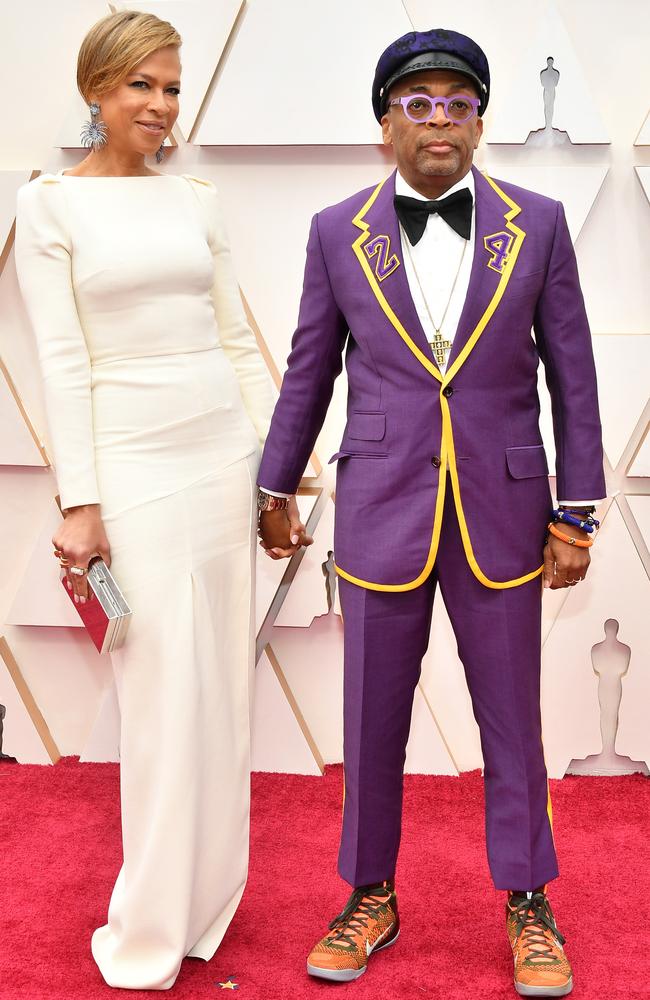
[[282, 532], [565, 564], [78, 539]]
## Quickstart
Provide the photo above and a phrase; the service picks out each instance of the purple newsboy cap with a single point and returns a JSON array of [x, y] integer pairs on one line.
[[438, 48]]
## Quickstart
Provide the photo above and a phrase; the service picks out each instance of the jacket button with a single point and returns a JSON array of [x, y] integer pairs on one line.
[[447, 391], [435, 461]]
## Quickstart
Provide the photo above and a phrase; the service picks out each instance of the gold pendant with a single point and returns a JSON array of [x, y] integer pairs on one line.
[[439, 346]]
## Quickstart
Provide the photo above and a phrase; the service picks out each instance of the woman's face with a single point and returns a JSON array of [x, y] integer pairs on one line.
[[139, 113]]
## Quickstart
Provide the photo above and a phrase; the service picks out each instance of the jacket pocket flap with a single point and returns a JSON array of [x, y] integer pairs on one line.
[[366, 426], [527, 461], [356, 454]]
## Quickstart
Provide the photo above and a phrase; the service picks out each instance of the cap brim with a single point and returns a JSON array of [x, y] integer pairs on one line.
[[432, 60]]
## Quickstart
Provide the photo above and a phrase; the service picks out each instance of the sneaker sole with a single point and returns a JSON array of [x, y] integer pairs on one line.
[[543, 991], [346, 975]]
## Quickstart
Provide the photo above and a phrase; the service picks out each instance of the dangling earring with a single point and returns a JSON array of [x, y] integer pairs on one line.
[[160, 153], [94, 133]]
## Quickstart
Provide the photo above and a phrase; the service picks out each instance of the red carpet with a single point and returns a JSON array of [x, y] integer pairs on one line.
[[59, 836]]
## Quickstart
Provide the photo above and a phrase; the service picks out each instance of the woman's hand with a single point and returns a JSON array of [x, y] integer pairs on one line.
[[282, 532], [80, 537]]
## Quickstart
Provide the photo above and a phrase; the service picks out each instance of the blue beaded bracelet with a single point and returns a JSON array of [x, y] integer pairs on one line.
[[588, 524]]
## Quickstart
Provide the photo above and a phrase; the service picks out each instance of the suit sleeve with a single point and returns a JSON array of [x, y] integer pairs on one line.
[[235, 334], [44, 267], [564, 344], [312, 367]]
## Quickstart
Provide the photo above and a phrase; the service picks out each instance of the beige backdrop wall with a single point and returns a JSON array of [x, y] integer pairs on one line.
[[276, 111]]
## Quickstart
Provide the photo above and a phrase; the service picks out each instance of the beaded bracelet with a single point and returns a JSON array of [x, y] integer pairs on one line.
[[581, 543], [587, 524]]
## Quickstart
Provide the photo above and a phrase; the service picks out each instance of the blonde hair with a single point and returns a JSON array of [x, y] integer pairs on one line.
[[115, 45]]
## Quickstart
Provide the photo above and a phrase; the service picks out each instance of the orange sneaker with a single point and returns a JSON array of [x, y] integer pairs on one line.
[[541, 967], [368, 923]]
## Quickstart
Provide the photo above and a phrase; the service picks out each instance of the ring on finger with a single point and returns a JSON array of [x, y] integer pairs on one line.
[[78, 570]]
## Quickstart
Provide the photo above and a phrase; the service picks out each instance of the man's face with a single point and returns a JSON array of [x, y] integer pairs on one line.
[[438, 148]]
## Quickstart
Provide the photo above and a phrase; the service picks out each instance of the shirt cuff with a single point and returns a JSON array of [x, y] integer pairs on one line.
[[580, 503], [272, 493]]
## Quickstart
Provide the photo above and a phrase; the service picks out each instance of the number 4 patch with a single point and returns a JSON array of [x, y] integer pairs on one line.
[[498, 246]]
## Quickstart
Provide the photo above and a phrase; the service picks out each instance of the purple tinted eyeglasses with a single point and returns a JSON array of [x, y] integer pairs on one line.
[[421, 108]]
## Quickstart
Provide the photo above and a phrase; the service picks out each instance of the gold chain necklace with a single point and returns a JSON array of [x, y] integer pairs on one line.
[[438, 345]]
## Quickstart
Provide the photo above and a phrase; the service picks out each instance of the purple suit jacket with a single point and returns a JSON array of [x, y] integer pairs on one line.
[[408, 425]]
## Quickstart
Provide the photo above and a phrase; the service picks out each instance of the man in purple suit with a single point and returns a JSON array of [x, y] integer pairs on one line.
[[432, 281]]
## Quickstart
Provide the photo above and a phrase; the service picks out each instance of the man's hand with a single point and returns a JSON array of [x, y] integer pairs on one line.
[[282, 532], [565, 564]]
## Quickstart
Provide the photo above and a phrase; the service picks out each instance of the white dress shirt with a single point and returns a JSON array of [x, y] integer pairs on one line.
[[435, 261], [431, 269]]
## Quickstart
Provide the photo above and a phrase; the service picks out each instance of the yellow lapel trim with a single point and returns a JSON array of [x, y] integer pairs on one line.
[[447, 450], [357, 246], [519, 236]]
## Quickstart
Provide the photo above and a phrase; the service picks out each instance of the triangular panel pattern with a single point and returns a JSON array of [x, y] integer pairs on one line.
[[575, 111], [25, 734], [577, 187], [19, 442], [10, 181], [204, 28], [273, 713], [312, 661], [643, 173], [40, 598], [640, 464], [314, 467], [622, 366], [616, 586], [321, 84], [640, 507], [643, 138]]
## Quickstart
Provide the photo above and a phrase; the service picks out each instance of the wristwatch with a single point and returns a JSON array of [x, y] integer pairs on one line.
[[267, 502]]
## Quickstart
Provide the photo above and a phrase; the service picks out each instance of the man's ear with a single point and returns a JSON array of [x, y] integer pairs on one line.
[[385, 130], [479, 131]]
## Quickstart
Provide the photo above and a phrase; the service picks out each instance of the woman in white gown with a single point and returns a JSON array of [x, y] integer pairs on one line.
[[157, 400]]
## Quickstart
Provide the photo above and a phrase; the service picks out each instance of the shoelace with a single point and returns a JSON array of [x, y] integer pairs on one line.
[[533, 918], [359, 909]]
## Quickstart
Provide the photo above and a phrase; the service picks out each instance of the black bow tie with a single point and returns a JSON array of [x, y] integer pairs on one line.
[[456, 210]]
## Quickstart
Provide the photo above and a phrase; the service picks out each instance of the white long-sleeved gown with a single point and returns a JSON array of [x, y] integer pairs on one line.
[[157, 399]]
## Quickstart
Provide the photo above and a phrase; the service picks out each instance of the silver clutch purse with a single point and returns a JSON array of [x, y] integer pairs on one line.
[[107, 616]]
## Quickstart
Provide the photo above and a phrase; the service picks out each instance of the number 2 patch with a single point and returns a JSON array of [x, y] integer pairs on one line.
[[386, 262]]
